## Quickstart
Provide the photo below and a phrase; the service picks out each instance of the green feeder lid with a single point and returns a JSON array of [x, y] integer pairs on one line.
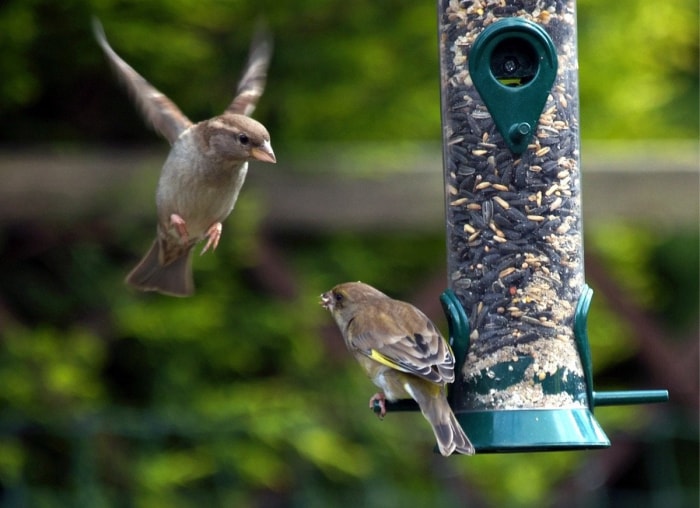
[[513, 64]]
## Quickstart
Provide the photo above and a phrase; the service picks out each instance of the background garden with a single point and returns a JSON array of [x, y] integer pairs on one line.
[[244, 395]]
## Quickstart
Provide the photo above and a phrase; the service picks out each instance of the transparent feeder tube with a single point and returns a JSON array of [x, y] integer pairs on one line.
[[514, 229]]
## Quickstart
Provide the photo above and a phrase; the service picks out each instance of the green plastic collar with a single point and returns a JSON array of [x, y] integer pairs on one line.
[[513, 64]]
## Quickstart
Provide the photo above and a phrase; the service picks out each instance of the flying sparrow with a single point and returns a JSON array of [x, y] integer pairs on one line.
[[402, 352], [204, 172]]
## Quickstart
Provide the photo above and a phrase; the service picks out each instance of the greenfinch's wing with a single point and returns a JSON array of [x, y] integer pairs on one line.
[[398, 335]]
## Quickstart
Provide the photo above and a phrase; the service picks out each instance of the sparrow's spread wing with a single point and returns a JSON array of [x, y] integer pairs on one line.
[[161, 112], [252, 84]]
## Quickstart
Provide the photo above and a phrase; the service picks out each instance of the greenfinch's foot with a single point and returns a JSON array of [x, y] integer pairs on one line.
[[379, 398]]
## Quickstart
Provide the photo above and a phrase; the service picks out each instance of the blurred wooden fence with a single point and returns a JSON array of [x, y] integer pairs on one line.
[[347, 186]]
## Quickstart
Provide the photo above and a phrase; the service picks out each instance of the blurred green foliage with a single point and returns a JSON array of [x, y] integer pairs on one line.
[[639, 69], [366, 71], [244, 396]]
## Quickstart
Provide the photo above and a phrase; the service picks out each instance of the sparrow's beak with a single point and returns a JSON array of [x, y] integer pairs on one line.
[[326, 301], [263, 152]]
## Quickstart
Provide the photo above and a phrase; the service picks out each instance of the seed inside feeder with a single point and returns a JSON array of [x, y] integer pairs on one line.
[[513, 221]]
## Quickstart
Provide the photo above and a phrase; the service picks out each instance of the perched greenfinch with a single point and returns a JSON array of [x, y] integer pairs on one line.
[[402, 352]]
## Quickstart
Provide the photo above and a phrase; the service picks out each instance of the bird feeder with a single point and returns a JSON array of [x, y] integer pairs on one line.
[[517, 302]]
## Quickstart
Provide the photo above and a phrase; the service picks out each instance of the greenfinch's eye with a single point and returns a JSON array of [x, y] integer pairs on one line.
[[243, 138]]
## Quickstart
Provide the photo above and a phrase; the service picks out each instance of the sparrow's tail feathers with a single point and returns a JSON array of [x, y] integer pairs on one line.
[[448, 432], [174, 278]]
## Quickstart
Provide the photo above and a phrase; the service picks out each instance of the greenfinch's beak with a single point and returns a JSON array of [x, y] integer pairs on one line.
[[264, 152], [326, 301]]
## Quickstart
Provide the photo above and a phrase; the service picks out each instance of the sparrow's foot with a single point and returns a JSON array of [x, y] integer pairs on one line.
[[379, 398], [180, 226], [213, 234]]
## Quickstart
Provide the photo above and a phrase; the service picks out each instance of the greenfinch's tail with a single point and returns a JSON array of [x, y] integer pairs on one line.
[[448, 432]]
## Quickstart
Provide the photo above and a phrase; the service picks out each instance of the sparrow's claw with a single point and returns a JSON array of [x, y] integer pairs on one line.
[[379, 398], [213, 234], [180, 226]]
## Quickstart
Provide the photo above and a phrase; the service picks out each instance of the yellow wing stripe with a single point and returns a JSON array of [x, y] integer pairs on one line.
[[378, 357]]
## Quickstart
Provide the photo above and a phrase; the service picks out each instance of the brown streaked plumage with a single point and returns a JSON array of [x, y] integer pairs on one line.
[[203, 173], [402, 352]]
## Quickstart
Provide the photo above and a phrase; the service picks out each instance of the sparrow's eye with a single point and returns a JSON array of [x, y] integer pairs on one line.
[[243, 138], [338, 297]]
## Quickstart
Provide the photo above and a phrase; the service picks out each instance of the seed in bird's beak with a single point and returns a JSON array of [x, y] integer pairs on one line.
[[326, 301], [264, 152]]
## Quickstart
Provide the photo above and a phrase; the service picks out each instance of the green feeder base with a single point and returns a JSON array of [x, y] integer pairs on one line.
[[530, 430]]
